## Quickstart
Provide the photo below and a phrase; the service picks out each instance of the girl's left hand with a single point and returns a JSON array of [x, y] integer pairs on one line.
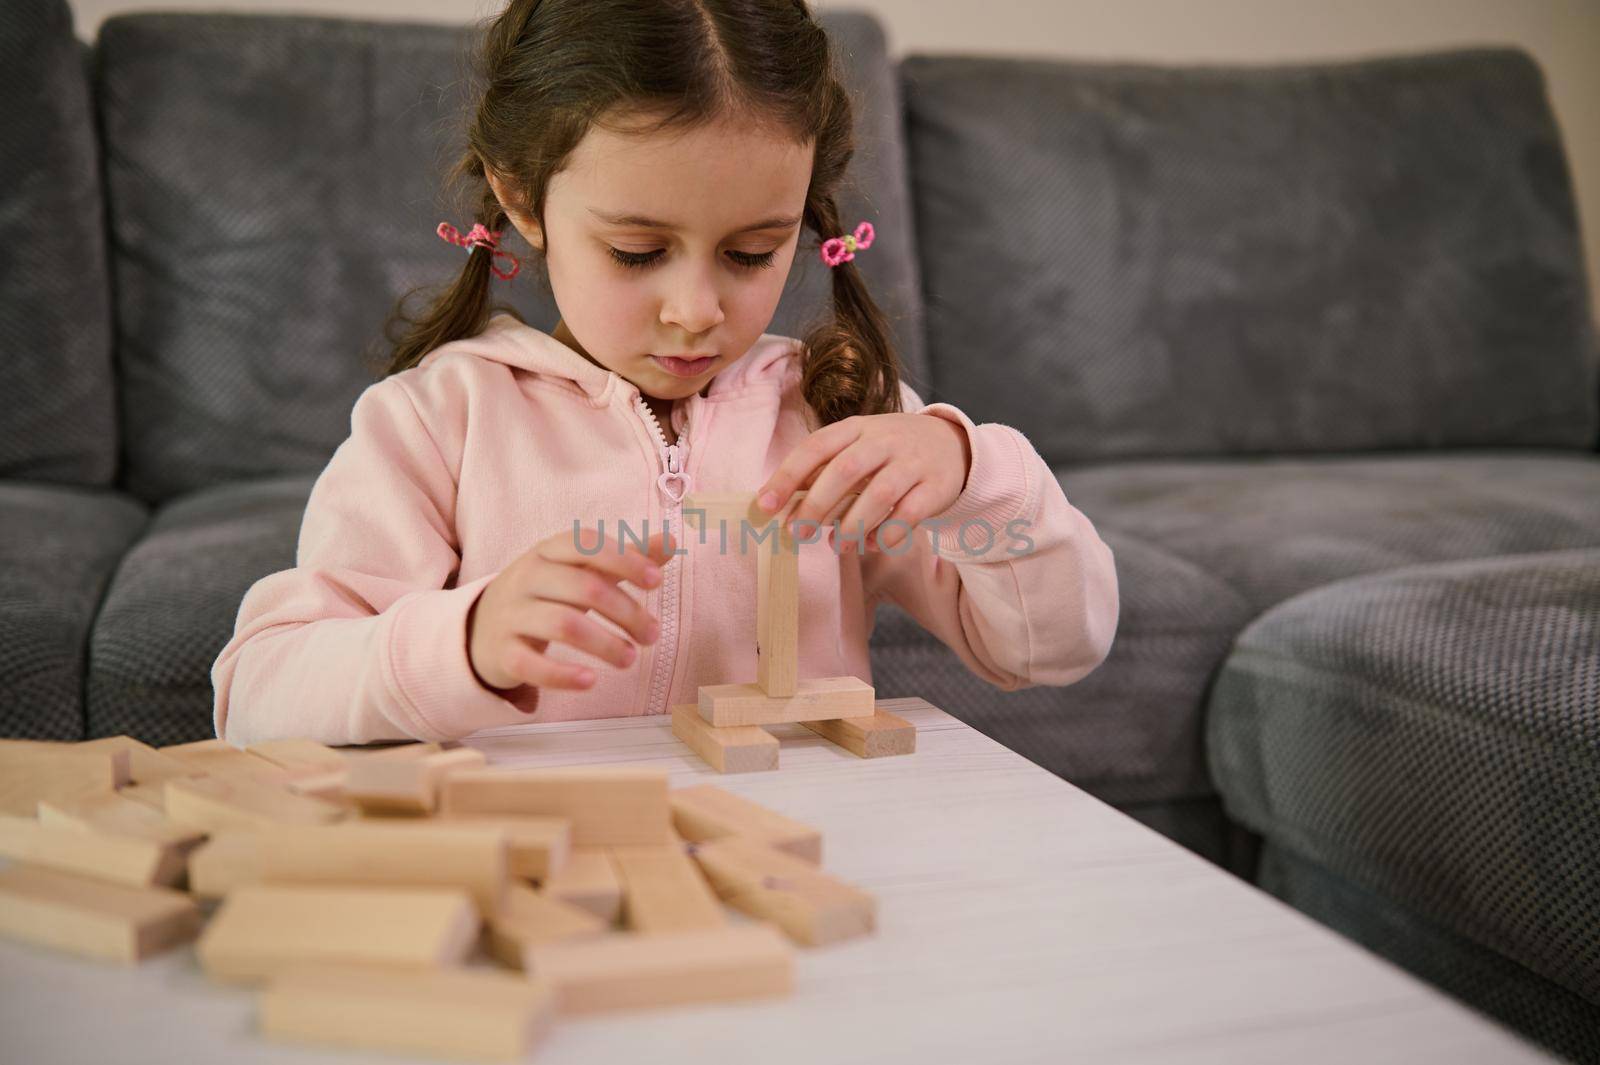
[[907, 467]]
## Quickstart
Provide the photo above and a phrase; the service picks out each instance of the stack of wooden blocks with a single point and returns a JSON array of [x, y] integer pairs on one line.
[[411, 898], [725, 726]]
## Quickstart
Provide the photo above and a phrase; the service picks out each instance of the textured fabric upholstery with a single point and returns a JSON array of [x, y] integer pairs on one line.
[[59, 549], [1432, 734], [254, 276], [1322, 257], [174, 601], [56, 415]]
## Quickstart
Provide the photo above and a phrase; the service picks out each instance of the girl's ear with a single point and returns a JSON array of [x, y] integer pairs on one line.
[[522, 220]]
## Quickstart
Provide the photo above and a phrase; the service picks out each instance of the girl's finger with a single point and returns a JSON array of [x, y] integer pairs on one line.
[[589, 589], [802, 464], [557, 622], [857, 464], [873, 505], [533, 667]]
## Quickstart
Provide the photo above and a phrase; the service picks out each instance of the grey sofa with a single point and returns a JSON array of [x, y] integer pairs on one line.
[[1311, 345]]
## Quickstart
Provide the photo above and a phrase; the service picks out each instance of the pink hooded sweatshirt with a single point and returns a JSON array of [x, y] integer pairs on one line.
[[456, 467]]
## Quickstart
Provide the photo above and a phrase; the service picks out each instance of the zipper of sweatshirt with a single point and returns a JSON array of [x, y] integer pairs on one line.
[[674, 482]]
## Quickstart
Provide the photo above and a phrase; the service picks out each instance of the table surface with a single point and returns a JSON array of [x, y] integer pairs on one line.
[[1019, 920]]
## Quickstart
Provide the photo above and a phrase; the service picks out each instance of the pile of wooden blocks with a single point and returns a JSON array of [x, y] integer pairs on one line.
[[724, 728], [411, 898]]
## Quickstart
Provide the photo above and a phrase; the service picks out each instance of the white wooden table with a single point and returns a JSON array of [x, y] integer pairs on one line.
[[1020, 920]]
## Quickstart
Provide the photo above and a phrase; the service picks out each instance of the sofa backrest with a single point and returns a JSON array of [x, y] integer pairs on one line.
[[1126, 260], [274, 186], [57, 413]]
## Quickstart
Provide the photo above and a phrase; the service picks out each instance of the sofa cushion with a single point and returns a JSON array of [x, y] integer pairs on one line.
[[56, 421], [1432, 734], [60, 548], [1129, 732], [174, 603], [1356, 255], [1273, 527], [265, 226]]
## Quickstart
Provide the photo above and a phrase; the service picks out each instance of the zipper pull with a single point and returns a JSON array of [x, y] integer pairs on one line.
[[674, 475]]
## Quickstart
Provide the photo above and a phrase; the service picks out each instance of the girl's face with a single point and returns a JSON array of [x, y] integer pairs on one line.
[[672, 244]]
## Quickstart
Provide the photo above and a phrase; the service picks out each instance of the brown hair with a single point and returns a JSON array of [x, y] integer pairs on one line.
[[549, 69]]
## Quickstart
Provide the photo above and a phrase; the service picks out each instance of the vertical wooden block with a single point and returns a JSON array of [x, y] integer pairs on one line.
[[262, 929], [814, 699], [456, 1013], [624, 971], [528, 917], [706, 812], [811, 906], [880, 736], [31, 770], [378, 853], [663, 890], [735, 749], [588, 881], [606, 805], [127, 860], [92, 918], [778, 614]]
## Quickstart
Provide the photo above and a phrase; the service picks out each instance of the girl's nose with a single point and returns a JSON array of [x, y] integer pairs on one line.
[[694, 305]]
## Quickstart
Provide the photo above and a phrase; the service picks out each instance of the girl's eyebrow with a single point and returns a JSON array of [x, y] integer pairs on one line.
[[775, 222]]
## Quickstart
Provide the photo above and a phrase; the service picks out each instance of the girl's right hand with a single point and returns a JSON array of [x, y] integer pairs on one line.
[[545, 596]]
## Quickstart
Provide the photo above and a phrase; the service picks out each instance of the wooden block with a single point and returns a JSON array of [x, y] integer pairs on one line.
[[31, 770], [816, 699], [709, 510], [588, 881], [114, 813], [455, 1013], [528, 917], [624, 971], [811, 906], [218, 758], [735, 749], [706, 812], [539, 846], [146, 764], [778, 615], [151, 795], [606, 805], [262, 928], [328, 786], [92, 918], [879, 736], [409, 853], [299, 758], [223, 862], [126, 860], [214, 804], [406, 785], [663, 890]]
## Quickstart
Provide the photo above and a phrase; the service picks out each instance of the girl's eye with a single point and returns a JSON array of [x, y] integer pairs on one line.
[[643, 259]]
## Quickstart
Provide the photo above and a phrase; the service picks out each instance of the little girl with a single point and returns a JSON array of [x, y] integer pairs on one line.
[[464, 557]]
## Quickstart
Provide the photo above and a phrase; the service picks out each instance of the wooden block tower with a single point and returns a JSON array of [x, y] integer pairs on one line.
[[724, 728]]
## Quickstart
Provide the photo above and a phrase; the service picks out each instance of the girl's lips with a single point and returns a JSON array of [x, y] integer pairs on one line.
[[684, 367]]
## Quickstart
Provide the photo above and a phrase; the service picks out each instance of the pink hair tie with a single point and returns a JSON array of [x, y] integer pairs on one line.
[[481, 237], [836, 250]]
